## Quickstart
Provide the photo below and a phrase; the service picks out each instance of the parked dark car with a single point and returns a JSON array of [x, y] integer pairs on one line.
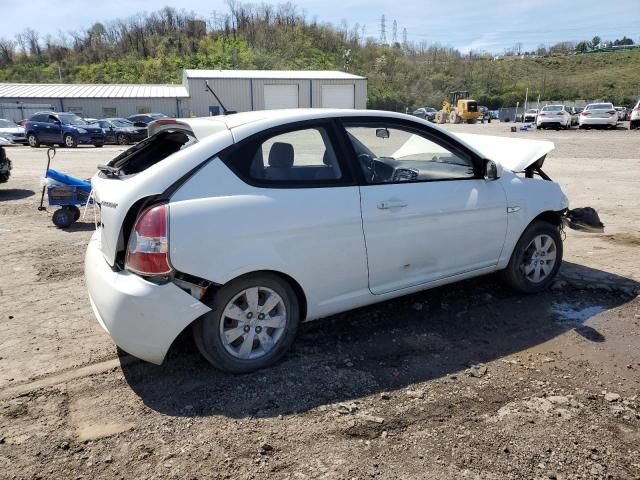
[[484, 114], [146, 118], [121, 131], [427, 113], [61, 128]]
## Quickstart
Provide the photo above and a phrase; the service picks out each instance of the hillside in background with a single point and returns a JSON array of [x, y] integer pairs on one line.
[[154, 48]]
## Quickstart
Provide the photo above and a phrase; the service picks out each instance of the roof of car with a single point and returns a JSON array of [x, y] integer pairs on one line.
[[262, 119]]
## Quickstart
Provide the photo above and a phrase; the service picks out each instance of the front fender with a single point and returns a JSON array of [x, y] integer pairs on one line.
[[526, 199]]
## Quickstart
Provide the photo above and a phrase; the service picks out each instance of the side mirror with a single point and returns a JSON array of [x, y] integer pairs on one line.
[[382, 133], [492, 170]]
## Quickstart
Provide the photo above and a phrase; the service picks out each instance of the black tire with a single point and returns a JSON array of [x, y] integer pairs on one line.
[[76, 212], [515, 276], [634, 124], [63, 217], [206, 330], [33, 141], [69, 141], [122, 139], [98, 145]]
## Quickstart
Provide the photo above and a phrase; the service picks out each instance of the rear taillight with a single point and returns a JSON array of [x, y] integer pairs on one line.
[[542, 114], [584, 114], [165, 121], [560, 113], [148, 248], [612, 112]]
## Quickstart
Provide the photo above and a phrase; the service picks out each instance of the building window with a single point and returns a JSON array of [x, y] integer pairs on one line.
[[142, 110], [108, 112], [76, 110]]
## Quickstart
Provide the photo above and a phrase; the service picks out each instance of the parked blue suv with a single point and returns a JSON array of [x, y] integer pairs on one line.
[[61, 128]]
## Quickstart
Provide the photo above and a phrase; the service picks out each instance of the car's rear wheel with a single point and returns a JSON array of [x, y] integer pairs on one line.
[[122, 139], [252, 323], [536, 259], [33, 140]]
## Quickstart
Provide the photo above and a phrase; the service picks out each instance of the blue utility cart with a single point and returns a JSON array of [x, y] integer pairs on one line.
[[66, 191]]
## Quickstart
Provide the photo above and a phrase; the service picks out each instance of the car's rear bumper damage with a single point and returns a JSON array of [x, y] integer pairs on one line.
[[142, 317]]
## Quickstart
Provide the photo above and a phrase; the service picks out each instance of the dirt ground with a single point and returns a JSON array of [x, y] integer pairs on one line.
[[464, 381]]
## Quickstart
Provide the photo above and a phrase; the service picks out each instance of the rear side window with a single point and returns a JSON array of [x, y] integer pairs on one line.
[[302, 156], [40, 117]]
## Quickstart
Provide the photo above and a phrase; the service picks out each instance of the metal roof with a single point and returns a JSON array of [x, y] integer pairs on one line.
[[42, 90], [274, 74]]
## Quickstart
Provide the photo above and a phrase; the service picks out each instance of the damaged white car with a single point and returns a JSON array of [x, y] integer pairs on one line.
[[242, 226]]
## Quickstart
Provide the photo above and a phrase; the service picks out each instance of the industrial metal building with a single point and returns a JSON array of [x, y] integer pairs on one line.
[[239, 90]]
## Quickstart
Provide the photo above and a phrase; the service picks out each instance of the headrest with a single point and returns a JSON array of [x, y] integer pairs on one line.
[[281, 155]]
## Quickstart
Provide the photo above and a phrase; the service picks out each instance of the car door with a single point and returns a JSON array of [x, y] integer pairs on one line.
[[109, 131], [427, 212], [52, 130]]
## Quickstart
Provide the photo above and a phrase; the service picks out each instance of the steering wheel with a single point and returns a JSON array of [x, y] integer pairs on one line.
[[368, 163]]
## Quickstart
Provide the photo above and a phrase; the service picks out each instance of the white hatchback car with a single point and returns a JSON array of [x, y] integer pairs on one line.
[[635, 117], [598, 115], [554, 116], [243, 226]]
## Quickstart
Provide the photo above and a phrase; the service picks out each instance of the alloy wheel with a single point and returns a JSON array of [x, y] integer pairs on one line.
[[253, 322], [539, 258]]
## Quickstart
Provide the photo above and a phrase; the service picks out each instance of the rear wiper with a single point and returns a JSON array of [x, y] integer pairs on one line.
[[113, 171]]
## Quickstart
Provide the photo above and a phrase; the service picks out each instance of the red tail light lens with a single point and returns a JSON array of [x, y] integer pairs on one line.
[[560, 113], [612, 112], [542, 114], [585, 114], [148, 248]]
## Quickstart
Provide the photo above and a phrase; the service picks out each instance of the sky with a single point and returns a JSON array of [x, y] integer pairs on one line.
[[489, 25]]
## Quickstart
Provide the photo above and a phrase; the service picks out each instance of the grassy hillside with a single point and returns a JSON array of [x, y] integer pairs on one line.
[[155, 48]]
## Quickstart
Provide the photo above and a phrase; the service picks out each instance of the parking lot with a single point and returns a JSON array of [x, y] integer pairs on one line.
[[464, 381]]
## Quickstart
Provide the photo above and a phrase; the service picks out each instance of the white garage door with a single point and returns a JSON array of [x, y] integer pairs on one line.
[[280, 96], [338, 96]]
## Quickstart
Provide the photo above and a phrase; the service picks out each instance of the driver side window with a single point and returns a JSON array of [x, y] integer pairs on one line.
[[392, 154]]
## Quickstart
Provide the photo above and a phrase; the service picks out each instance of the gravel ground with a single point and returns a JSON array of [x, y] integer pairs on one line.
[[464, 381]]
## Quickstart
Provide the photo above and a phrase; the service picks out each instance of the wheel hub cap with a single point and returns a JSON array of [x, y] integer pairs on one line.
[[253, 323], [539, 258]]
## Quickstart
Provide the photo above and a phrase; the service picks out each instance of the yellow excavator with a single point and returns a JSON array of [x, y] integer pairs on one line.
[[459, 109]]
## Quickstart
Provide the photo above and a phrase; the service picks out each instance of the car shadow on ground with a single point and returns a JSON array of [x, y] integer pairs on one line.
[[380, 348], [15, 194], [80, 227]]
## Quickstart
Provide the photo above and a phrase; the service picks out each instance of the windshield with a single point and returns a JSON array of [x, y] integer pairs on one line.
[[71, 119], [600, 106], [158, 115], [532, 110], [122, 122], [7, 124], [552, 108]]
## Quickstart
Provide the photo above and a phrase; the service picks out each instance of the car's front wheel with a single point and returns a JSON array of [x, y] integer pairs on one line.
[[252, 323], [536, 259], [70, 141], [122, 139]]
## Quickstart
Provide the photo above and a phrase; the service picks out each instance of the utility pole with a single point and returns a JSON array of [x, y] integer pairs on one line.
[[383, 29], [59, 73], [394, 32], [526, 98]]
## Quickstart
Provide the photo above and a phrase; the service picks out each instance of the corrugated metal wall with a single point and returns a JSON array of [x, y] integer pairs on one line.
[[243, 95], [93, 107], [234, 93]]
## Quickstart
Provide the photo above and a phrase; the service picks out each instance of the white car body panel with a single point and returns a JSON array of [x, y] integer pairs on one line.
[[334, 242], [515, 154], [143, 318], [116, 196], [419, 241]]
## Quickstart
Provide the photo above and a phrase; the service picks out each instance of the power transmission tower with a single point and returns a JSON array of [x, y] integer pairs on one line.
[[383, 29], [404, 36], [394, 32]]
